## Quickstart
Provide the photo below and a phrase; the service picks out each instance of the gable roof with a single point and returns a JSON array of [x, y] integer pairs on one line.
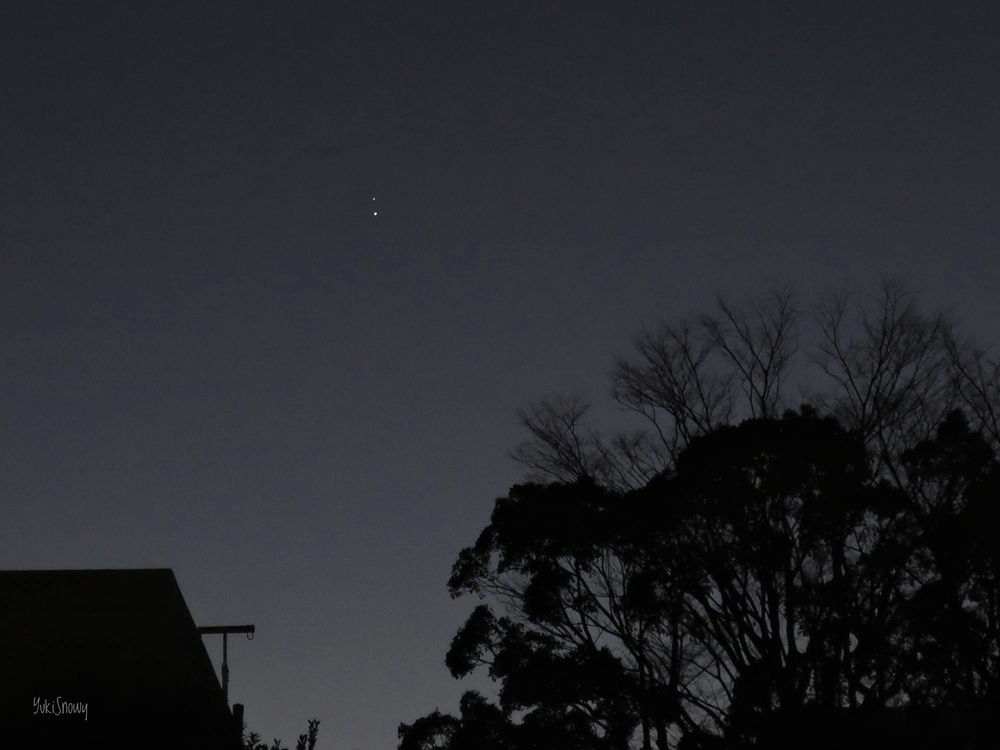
[[121, 644]]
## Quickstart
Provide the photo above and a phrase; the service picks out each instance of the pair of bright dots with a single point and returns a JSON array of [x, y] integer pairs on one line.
[[374, 213]]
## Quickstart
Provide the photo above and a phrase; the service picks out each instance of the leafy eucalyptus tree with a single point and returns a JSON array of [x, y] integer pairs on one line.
[[813, 577]]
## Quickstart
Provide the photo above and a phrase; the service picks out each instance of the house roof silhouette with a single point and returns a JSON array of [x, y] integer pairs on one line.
[[106, 659]]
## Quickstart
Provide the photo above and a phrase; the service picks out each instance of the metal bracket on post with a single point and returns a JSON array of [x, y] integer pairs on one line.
[[225, 630]]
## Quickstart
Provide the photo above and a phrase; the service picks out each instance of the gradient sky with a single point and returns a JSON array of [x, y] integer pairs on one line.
[[214, 358]]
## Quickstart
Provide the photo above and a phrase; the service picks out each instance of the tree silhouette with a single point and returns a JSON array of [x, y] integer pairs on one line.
[[307, 741], [954, 617], [881, 366], [822, 578]]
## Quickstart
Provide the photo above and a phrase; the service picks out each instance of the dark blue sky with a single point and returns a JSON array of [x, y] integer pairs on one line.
[[214, 358]]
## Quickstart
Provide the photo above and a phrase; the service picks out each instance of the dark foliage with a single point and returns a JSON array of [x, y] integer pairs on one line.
[[307, 741], [823, 578]]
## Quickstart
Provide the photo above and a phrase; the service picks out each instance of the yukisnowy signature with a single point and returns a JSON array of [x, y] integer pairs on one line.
[[60, 707]]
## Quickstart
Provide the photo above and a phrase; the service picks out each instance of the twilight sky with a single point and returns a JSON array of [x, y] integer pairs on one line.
[[214, 358]]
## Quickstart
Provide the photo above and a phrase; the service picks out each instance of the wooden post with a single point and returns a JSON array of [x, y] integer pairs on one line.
[[225, 630]]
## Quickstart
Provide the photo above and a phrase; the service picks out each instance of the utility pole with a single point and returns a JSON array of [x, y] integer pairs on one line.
[[225, 630]]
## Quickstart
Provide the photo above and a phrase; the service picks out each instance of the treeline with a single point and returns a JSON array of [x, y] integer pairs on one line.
[[742, 574]]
